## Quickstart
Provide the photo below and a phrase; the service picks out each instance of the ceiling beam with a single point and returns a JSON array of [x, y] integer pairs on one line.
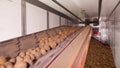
[[99, 8], [50, 9], [114, 9], [66, 9]]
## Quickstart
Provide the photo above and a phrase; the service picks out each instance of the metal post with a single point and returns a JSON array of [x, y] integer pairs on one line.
[[23, 17], [47, 19], [60, 21]]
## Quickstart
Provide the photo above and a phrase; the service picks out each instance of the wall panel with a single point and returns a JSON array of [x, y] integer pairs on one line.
[[36, 18], [117, 36], [53, 20], [114, 35], [63, 21], [10, 19]]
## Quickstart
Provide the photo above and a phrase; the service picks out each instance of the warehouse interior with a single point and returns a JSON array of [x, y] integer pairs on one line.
[[59, 34]]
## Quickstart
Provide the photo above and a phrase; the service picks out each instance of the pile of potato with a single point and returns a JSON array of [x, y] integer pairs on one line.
[[28, 58], [23, 60]]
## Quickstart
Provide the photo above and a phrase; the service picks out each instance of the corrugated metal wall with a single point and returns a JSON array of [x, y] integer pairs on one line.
[[114, 35], [35, 19], [10, 19]]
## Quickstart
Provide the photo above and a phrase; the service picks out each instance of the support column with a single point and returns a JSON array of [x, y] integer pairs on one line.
[[48, 20], [23, 17], [60, 21]]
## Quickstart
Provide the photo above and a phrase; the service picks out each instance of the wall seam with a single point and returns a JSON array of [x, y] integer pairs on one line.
[[23, 17], [48, 21]]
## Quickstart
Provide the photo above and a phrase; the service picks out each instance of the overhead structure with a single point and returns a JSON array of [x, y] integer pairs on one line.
[[99, 9], [48, 8], [67, 10]]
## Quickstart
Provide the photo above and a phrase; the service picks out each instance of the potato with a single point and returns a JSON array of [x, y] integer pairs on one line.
[[21, 64], [41, 46], [2, 60], [58, 40], [33, 51], [2, 66], [18, 59], [43, 51], [12, 60], [52, 44], [37, 49], [28, 60], [42, 42], [9, 65], [46, 40], [46, 47], [37, 54], [27, 53], [22, 54], [32, 56]]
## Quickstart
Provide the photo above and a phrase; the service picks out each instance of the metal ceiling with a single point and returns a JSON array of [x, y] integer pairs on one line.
[[90, 7], [67, 10], [108, 6]]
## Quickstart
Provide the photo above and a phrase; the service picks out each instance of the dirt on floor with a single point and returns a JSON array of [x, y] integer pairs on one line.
[[99, 56]]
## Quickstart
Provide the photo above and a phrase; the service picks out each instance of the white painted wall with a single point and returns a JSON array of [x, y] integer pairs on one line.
[[116, 26], [108, 6], [10, 19], [36, 19], [114, 35], [54, 20], [63, 21]]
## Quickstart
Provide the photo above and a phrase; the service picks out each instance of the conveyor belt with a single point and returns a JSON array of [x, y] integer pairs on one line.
[[47, 59], [79, 63], [68, 57], [67, 51]]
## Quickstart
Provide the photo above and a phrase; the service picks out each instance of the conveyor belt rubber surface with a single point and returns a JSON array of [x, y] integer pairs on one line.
[[76, 51], [47, 59]]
